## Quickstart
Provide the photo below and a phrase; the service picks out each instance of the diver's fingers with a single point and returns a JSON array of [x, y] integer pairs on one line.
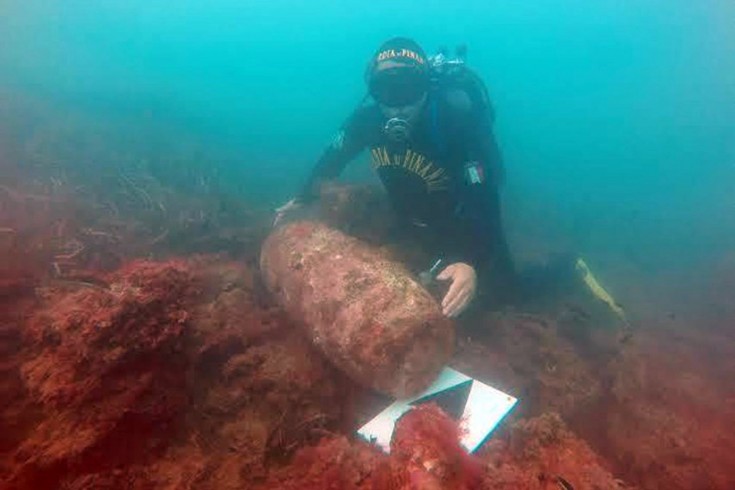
[[447, 272], [451, 295], [456, 304], [465, 303], [463, 300]]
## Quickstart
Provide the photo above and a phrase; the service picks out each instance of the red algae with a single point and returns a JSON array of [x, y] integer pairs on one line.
[[662, 423], [537, 454], [184, 374], [426, 445], [425, 455], [541, 453], [174, 365], [106, 368]]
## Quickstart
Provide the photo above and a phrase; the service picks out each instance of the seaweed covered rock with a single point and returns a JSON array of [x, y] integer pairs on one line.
[[542, 453], [536, 454], [425, 455], [364, 312], [107, 372], [528, 355]]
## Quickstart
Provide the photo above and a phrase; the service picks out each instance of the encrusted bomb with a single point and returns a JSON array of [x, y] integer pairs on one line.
[[364, 312]]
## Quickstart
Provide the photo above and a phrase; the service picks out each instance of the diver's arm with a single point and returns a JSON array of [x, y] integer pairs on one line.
[[482, 176], [481, 144], [346, 144], [476, 230], [477, 244], [473, 242]]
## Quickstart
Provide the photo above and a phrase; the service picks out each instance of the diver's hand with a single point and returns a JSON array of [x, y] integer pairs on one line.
[[462, 289], [281, 212]]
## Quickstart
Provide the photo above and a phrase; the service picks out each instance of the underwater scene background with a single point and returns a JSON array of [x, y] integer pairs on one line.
[[145, 145]]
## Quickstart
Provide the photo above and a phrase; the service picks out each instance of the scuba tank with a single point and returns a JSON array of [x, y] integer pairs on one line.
[[447, 73]]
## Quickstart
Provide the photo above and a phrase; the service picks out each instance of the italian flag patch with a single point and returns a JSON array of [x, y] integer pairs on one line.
[[474, 173]]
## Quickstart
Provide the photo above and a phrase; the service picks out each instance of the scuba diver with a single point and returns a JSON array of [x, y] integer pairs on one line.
[[427, 123]]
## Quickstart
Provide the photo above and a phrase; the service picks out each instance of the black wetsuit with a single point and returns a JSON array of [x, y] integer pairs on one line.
[[443, 182]]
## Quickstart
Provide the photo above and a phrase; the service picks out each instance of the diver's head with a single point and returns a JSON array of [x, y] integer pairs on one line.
[[398, 80]]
